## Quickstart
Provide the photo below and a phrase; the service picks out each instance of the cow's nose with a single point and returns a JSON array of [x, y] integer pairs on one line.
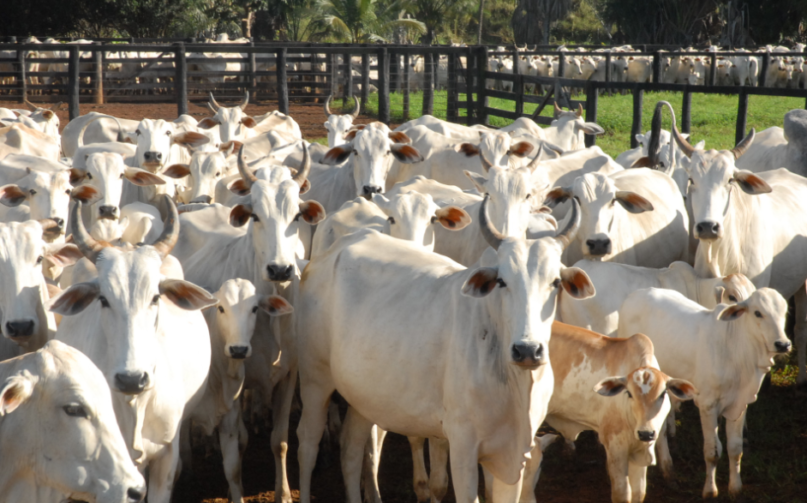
[[131, 383], [782, 346], [108, 211], [20, 328], [279, 272], [647, 436], [135, 495], [153, 156], [528, 354], [708, 230], [59, 222], [599, 247], [202, 199], [239, 352], [369, 190]]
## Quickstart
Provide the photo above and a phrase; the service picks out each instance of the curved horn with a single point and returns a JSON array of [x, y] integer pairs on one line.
[[248, 177], [213, 104], [742, 147], [686, 148], [567, 235], [30, 105], [305, 168], [56, 106], [534, 162], [89, 247], [491, 235], [328, 105], [165, 243], [84, 128], [485, 163], [579, 111], [356, 108], [244, 104], [557, 108]]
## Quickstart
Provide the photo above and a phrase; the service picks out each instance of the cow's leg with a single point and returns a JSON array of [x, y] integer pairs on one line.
[[162, 472], [532, 470], [420, 478], [186, 446], [438, 461], [618, 472], [356, 432], [800, 336], [506, 492], [711, 450], [638, 482], [230, 430], [734, 441], [488, 478], [372, 458], [281, 408], [464, 467], [315, 397]]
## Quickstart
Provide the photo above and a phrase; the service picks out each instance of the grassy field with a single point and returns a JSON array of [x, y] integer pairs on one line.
[[713, 116]]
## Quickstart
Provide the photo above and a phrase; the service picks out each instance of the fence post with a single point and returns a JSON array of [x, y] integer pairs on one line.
[[636, 126], [763, 72], [469, 87], [451, 89], [253, 67], [686, 111], [383, 86], [712, 69], [348, 59], [98, 56], [73, 83], [591, 109], [334, 72], [315, 69], [518, 84], [559, 97], [395, 71], [608, 70], [742, 116], [181, 78], [406, 88], [365, 80], [428, 84], [23, 75], [282, 81], [657, 67], [481, 98]]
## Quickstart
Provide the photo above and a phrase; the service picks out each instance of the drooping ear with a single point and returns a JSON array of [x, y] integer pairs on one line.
[[12, 195], [469, 149], [642, 162], [87, 194], [18, 388], [177, 171], [478, 180], [557, 196], [239, 187], [751, 183], [733, 312], [338, 155], [249, 122], [350, 135], [312, 212], [481, 282], [240, 215], [75, 299], [452, 218], [577, 283], [190, 139], [275, 305], [77, 175], [405, 153], [611, 386], [186, 295], [63, 254], [380, 200], [590, 128], [305, 187], [521, 149], [142, 177], [681, 389], [208, 123], [47, 114], [399, 137], [633, 202]]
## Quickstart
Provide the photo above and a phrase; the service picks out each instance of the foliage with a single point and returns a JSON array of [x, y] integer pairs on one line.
[[583, 25], [533, 19], [358, 21]]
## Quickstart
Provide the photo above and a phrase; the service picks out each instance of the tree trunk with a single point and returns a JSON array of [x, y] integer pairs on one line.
[[481, 15]]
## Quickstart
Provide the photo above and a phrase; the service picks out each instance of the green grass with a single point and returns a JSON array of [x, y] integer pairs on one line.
[[713, 116]]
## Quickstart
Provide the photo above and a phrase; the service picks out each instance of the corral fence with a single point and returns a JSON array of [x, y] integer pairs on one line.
[[104, 72]]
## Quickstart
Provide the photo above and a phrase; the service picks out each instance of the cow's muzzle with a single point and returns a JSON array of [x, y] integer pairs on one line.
[[369, 190], [279, 272], [239, 352], [708, 230], [108, 211], [599, 247], [132, 383], [20, 328], [646, 436], [528, 354]]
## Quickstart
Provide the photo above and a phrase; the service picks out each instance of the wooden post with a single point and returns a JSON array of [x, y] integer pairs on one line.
[[518, 84], [253, 67], [395, 71], [348, 77], [314, 69], [559, 97], [742, 116], [481, 98], [686, 112], [282, 81], [23, 76], [608, 71], [333, 72], [469, 87], [451, 91], [98, 56], [73, 82], [763, 72], [712, 69], [406, 88], [181, 79], [383, 86], [365, 79], [657, 67], [636, 126], [591, 109], [428, 84]]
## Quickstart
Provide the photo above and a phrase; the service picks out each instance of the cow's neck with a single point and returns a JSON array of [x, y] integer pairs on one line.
[[729, 253]]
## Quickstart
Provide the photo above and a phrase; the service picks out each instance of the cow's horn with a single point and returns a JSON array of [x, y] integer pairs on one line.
[[686, 148], [534, 162], [100, 116], [165, 243], [485, 163], [557, 108], [30, 105], [244, 104], [356, 108], [248, 177], [566, 236], [328, 105], [742, 147], [213, 104], [579, 111], [301, 175], [89, 247], [491, 235]]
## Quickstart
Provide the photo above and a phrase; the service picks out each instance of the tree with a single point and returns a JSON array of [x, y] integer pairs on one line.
[[357, 21], [433, 13], [533, 19]]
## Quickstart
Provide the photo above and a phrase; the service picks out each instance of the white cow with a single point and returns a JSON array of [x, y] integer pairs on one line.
[[21, 139], [338, 125], [776, 148], [146, 335], [204, 171], [45, 188], [232, 122], [58, 432], [139, 223], [725, 352], [568, 129]]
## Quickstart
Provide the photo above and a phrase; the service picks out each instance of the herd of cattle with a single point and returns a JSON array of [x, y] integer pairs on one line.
[[452, 283]]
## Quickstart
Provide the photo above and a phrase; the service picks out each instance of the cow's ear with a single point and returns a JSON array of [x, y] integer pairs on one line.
[[177, 171], [469, 149], [558, 195], [239, 187], [577, 283], [751, 183], [186, 295], [521, 149], [642, 162], [399, 137], [452, 218], [77, 175], [63, 255], [208, 123], [12, 195], [191, 139], [633, 202], [47, 114], [732, 312], [405, 153], [590, 128], [142, 177], [240, 215], [681, 389], [249, 122], [312, 212], [481, 282], [16, 390], [611, 386], [338, 155], [87, 194], [478, 180], [75, 299], [275, 305]]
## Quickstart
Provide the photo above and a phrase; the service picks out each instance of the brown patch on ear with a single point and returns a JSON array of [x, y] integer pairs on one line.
[[453, 218], [234, 143], [11, 195], [481, 282], [556, 196], [240, 215], [65, 255], [142, 177], [337, 155], [399, 137], [75, 299], [521, 148], [642, 162], [633, 202], [577, 283], [751, 183], [208, 123], [312, 212], [732, 312], [305, 187], [87, 194], [249, 122], [406, 153], [47, 114], [469, 149], [177, 171], [681, 389], [186, 295], [16, 391], [77, 175], [350, 135], [275, 305], [191, 139], [239, 187]]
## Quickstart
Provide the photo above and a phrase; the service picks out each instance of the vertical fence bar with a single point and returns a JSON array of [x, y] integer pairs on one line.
[[407, 74], [428, 84], [73, 83], [23, 75], [657, 67], [686, 111], [253, 67], [763, 72], [98, 80], [636, 126], [314, 69], [591, 109], [333, 71], [481, 94], [181, 78], [608, 70], [469, 87], [518, 83], [395, 72], [712, 69], [451, 89], [383, 86], [365, 80], [348, 59], [282, 81], [559, 97], [742, 116]]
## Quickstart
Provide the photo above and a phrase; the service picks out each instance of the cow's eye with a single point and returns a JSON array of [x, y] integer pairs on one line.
[[732, 298], [156, 299], [121, 175], [137, 132], [76, 410], [103, 301], [255, 309], [168, 133], [528, 196], [89, 176], [391, 220], [67, 192], [33, 192], [221, 309], [39, 259], [757, 314], [556, 283], [255, 218], [629, 395], [218, 173]]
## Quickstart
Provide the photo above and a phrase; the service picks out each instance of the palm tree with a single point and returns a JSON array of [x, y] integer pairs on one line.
[[359, 22]]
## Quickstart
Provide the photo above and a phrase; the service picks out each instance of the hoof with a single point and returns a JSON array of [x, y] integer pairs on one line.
[[709, 494]]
